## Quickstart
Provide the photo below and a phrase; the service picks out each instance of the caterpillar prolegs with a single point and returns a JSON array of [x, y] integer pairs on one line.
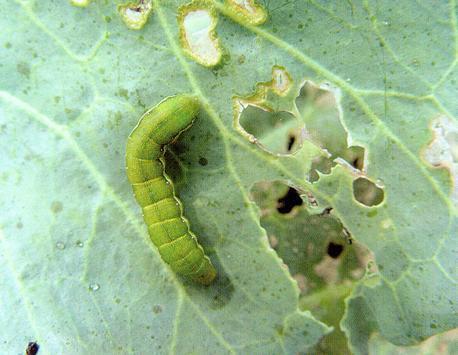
[[154, 190]]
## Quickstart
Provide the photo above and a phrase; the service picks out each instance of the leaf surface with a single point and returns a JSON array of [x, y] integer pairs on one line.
[[79, 274]]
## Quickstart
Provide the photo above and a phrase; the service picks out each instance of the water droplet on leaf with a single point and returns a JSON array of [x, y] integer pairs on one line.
[[94, 286]]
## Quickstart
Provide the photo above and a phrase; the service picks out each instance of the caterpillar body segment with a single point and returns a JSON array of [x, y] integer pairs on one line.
[[154, 191]]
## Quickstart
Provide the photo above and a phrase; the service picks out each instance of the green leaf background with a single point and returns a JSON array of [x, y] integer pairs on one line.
[[78, 273]]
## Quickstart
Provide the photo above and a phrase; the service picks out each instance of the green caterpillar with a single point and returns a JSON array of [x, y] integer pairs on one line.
[[154, 191]]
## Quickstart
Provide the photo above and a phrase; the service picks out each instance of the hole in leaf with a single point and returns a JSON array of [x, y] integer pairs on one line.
[[135, 14], [267, 117], [248, 11], [278, 132], [334, 250], [367, 193], [442, 152], [197, 34], [287, 202], [301, 240], [319, 108], [281, 80]]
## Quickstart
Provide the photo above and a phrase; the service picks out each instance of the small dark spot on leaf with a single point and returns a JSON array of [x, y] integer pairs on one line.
[[157, 309], [372, 213], [279, 329], [123, 93], [287, 202], [291, 141], [56, 207], [334, 250], [32, 348], [356, 163], [203, 161], [23, 69]]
